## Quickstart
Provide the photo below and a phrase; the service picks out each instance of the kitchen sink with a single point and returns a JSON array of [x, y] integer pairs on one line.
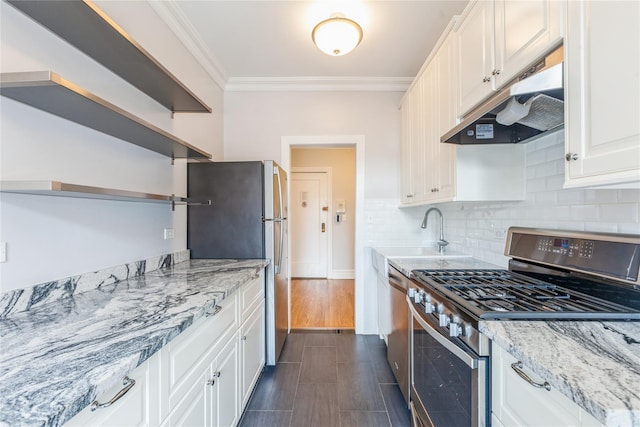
[[380, 255]]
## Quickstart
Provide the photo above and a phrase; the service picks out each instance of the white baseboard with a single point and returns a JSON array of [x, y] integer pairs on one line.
[[342, 274]]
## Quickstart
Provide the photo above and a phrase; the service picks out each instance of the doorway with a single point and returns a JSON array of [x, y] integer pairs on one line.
[[322, 235], [309, 221]]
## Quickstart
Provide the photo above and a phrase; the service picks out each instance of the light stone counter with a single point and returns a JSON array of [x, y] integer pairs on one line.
[[56, 358], [595, 364]]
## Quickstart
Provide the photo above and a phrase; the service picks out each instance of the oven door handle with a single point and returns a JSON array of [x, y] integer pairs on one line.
[[469, 360]]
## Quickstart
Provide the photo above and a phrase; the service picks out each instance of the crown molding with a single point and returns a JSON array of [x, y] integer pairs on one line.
[[172, 15], [177, 22], [318, 84]]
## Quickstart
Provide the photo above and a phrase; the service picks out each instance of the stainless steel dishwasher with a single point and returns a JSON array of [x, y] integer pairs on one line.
[[398, 346]]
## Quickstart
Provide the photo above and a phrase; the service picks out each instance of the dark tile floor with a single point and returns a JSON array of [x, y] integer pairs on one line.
[[328, 379]]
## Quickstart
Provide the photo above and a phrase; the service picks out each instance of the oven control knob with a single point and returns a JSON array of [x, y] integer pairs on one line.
[[468, 330], [443, 319], [417, 298], [429, 307], [412, 292], [440, 308], [455, 330]]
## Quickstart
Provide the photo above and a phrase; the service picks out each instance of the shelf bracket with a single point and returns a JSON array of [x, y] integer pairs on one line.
[[189, 202]]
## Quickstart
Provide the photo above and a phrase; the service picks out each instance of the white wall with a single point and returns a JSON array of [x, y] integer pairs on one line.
[[49, 237]]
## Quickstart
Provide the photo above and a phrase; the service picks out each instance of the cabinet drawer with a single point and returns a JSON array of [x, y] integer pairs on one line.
[[251, 295], [192, 350], [515, 402], [138, 407]]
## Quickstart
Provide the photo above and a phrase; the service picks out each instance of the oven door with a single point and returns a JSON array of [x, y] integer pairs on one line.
[[450, 382]]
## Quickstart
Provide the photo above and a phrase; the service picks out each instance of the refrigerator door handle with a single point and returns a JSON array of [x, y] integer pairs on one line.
[[278, 266]]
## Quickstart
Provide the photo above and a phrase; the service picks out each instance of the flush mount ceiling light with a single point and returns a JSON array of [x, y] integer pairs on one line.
[[337, 35]]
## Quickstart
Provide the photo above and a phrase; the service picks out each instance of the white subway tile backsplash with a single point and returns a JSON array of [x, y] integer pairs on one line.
[[477, 228], [619, 212]]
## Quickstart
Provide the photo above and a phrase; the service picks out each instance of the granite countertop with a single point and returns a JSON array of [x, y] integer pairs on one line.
[[55, 359], [595, 364]]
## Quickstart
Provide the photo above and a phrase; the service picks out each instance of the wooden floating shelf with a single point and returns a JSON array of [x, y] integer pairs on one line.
[[89, 29], [49, 92]]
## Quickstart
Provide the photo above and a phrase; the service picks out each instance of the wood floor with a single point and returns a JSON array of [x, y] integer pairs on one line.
[[322, 304]]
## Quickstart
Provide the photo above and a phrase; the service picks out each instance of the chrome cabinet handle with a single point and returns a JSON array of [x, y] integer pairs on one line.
[[409, 196], [212, 381], [571, 156], [216, 310], [517, 366], [127, 383]]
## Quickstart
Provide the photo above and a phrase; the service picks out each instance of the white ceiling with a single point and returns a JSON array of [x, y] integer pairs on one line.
[[268, 40]]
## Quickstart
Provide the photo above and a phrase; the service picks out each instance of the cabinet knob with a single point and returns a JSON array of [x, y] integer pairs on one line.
[[495, 72], [486, 79], [571, 156], [244, 338], [211, 382]]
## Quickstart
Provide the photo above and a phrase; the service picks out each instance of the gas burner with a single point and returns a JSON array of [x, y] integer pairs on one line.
[[493, 294]]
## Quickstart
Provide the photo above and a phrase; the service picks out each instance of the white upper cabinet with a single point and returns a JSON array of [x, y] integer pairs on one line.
[[475, 55], [524, 32], [433, 172], [413, 170], [602, 78], [498, 39]]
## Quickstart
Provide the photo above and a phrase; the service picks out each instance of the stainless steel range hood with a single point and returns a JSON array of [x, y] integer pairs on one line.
[[528, 108]]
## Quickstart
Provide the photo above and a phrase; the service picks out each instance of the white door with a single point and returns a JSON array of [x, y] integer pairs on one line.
[[308, 224]]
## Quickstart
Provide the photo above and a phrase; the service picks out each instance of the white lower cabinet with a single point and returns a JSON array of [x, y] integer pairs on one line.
[[516, 402], [203, 377], [252, 352], [140, 406]]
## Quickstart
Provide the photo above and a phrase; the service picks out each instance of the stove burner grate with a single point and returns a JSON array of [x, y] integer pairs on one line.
[[502, 291]]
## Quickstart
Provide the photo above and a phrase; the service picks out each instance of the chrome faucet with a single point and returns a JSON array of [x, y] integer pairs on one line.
[[441, 243]]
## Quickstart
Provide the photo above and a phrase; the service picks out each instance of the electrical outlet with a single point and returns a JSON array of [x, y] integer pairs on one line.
[[3, 251], [168, 233]]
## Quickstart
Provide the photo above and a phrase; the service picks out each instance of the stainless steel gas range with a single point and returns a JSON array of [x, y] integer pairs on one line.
[[553, 275]]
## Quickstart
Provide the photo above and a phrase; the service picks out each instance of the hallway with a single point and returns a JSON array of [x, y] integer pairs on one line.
[[322, 304], [325, 380]]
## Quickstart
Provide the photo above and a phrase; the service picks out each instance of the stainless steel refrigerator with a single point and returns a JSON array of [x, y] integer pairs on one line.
[[246, 220]]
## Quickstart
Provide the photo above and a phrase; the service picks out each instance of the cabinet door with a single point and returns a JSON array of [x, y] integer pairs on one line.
[[138, 407], [194, 349], [194, 408], [224, 388], [517, 403], [475, 56], [431, 142], [602, 65], [417, 141], [525, 31], [447, 119], [251, 353], [406, 186]]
